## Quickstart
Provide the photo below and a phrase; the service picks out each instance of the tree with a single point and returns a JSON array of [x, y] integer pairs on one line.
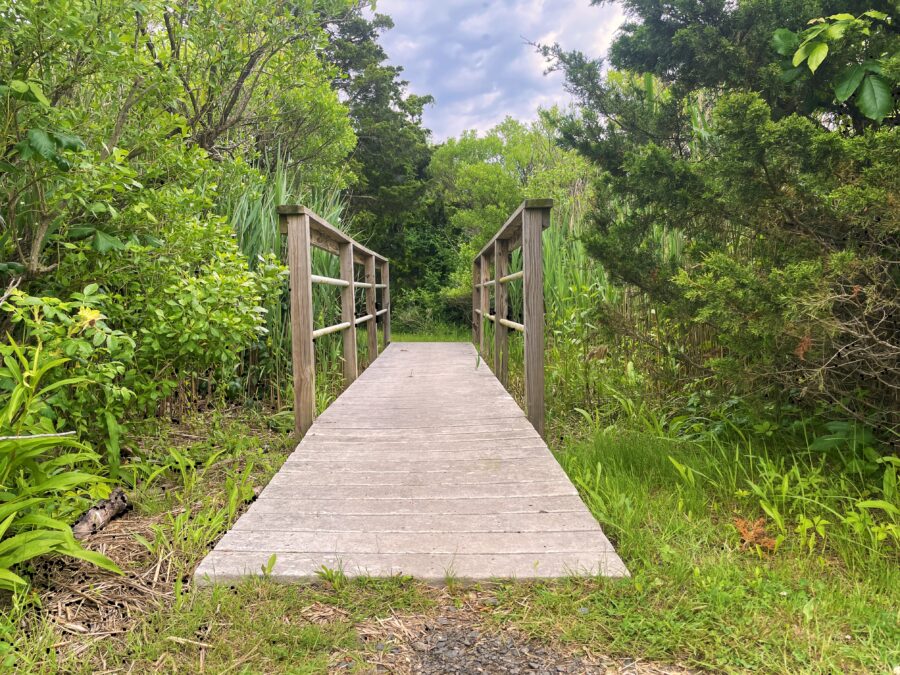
[[694, 44], [390, 201], [94, 119], [781, 192]]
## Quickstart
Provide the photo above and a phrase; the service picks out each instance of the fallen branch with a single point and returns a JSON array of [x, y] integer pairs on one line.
[[97, 517]]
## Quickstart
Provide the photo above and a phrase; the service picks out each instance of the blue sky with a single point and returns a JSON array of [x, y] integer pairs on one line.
[[473, 56]]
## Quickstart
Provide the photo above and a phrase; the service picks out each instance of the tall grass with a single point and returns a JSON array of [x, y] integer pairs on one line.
[[253, 214]]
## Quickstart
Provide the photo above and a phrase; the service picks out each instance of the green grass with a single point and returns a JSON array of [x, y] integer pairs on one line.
[[436, 333], [696, 595], [258, 627]]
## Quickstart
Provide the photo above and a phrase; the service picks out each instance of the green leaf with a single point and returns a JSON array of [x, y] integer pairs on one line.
[[801, 54], [887, 507], [35, 90], [848, 82], [18, 86], [785, 41], [842, 17], [68, 141], [816, 55], [103, 242], [9, 580], [90, 289], [875, 14], [835, 31], [76, 233], [93, 557], [41, 142], [875, 99]]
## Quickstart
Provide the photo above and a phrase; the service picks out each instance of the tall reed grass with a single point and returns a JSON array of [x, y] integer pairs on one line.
[[253, 215]]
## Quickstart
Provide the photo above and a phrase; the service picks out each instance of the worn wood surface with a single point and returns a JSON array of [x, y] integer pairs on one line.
[[423, 466], [371, 326], [501, 295], [348, 314], [304, 367], [534, 221], [386, 302]]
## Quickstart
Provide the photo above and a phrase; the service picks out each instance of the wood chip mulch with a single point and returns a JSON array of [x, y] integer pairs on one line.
[[89, 604]]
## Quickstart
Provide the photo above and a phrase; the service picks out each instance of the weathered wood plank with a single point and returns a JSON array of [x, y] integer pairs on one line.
[[348, 315], [304, 369], [394, 506], [533, 223], [559, 521], [371, 327], [226, 567], [327, 542], [435, 491]]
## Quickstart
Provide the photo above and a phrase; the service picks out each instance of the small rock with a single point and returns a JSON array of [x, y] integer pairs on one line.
[[493, 602], [420, 646], [582, 610]]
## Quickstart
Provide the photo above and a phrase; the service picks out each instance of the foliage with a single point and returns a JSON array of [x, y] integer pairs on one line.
[[706, 46], [866, 49], [41, 470], [90, 354], [786, 226], [90, 117]]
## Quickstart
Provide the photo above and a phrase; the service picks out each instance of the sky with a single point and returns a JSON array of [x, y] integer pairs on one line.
[[473, 56]]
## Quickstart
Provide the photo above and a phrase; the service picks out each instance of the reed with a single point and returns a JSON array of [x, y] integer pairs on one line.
[[253, 215]]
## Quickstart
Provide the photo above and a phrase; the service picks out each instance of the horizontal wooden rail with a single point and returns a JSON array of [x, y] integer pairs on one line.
[[512, 324], [331, 281], [522, 229], [326, 236], [328, 330], [305, 230], [512, 277]]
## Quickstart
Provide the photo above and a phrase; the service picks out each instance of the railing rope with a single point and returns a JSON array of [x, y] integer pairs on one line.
[[304, 230], [522, 230]]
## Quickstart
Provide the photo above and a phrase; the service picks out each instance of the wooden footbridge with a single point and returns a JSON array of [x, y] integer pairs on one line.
[[425, 465]]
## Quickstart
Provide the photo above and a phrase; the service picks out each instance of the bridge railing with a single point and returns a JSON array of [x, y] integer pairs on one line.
[[305, 230], [522, 230]]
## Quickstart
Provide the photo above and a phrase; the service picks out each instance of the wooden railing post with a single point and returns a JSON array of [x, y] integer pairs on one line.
[[476, 301], [501, 294], [386, 301], [302, 351], [348, 314], [485, 302], [534, 220], [371, 326]]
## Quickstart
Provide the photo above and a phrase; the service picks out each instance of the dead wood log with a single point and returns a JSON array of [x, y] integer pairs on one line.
[[97, 517]]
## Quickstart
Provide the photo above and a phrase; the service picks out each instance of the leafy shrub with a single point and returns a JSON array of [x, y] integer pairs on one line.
[[90, 353]]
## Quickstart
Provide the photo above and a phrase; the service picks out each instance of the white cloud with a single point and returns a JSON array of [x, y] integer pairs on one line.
[[473, 56]]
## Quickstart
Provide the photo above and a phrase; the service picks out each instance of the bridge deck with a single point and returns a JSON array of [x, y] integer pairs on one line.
[[423, 466]]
